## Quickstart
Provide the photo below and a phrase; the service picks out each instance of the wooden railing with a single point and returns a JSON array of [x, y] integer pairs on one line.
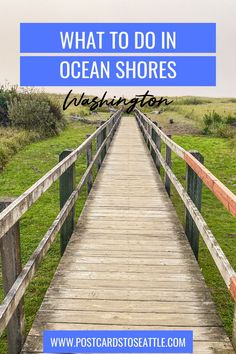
[[15, 278], [197, 174]]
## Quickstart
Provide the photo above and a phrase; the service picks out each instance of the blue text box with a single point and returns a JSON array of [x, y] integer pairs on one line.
[[46, 71], [118, 341], [46, 37]]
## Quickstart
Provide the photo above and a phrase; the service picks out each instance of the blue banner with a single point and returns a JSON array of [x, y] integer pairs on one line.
[[117, 71], [118, 341], [118, 37]]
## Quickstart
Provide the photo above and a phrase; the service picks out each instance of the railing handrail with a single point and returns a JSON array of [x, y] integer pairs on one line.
[[222, 193], [10, 215], [226, 270], [16, 293]]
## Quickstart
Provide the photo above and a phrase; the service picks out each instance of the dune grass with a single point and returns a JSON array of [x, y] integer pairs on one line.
[[13, 140]]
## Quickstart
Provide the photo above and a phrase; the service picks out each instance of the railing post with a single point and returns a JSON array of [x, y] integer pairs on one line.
[[154, 139], [194, 190], [169, 163], [67, 186], [113, 122], [108, 130], [11, 268], [158, 145], [89, 157], [104, 135], [98, 144], [149, 132]]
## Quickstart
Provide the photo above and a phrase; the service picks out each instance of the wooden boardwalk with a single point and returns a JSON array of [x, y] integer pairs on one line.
[[128, 264]]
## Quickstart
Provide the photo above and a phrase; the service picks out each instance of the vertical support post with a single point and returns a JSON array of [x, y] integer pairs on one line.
[[112, 126], [89, 157], [158, 144], [194, 190], [108, 129], [154, 138], [104, 135], [98, 144], [234, 328], [143, 127], [169, 163], [145, 130], [66, 186], [149, 133], [11, 268]]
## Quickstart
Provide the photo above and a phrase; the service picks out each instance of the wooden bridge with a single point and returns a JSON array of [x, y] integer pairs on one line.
[[127, 264]]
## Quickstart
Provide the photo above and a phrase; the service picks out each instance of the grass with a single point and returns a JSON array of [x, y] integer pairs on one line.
[[25, 168], [196, 112], [187, 114], [220, 160], [11, 141]]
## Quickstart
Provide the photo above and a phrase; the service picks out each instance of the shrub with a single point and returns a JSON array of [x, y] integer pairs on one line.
[[230, 120], [6, 94], [80, 112], [225, 131], [216, 125], [36, 112]]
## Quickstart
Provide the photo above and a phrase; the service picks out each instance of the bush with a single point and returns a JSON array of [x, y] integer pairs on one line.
[[80, 112], [216, 125], [225, 131], [36, 112], [6, 94], [230, 120]]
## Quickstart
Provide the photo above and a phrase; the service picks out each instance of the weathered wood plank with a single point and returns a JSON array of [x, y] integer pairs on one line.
[[128, 318], [131, 294], [71, 283], [128, 268], [129, 306], [156, 276]]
